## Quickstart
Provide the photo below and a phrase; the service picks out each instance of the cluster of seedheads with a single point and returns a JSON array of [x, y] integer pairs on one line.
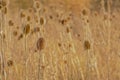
[[26, 31], [27, 28], [3, 6], [41, 41], [85, 14], [65, 20]]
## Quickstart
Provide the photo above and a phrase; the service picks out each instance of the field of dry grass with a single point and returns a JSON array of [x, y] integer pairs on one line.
[[59, 40]]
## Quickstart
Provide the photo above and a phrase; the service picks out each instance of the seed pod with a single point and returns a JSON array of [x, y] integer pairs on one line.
[[10, 63], [21, 36], [26, 29], [84, 12], [87, 45], [41, 21], [15, 33], [40, 44], [10, 23]]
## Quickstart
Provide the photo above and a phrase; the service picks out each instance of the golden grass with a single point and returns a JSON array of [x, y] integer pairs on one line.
[[64, 55]]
